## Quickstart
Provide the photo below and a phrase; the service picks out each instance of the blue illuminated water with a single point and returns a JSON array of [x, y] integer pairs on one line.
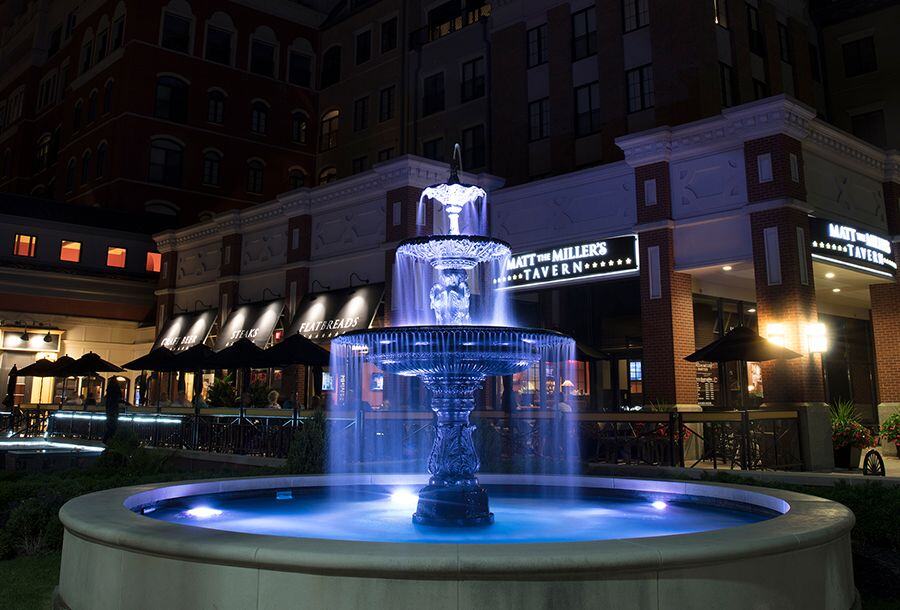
[[377, 514]]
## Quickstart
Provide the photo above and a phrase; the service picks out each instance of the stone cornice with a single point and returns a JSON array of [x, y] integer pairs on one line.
[[892, 167], [846, 149]]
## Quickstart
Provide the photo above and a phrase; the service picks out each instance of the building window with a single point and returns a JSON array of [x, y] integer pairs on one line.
[[328, 130], [331, 67], [215, 107], [259, 118], [176, 34], [785, 45], [757, 40], [760, 89], [70, 251], [171, 99], [870, 127], [296, 178], [102, 44], [361, 114], [71, 21], [24, 245], [859, 57], [472, 80], [86, 167], [728, 85], [389, 35], [262, 58], [70, 176], [385, 154], [55, 41], [166, 157], [359, 165], [327, 175], [537, 45], [92, 107], [107, 97], [640, 88], [363, 47], [212, 168], [584, 33], [42, 153], [154, 262], [100, 168], [539, 119], [115, 257], [434, 149], [218, 45], [255, 176], [587, 109], [76, 116], [118, 33], [87, 56], [299, 69], [636, 14], [473, 149], [386, 104], [299, 122], [433, 100], [720, 7]]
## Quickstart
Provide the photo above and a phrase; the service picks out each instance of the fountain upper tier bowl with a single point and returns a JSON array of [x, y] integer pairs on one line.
[[454, 251], [424, 351]]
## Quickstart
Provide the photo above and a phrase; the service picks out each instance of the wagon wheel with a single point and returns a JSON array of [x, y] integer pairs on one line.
[[873, 465]]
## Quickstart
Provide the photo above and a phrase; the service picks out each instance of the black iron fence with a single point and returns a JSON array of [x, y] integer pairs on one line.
[[747, 440]]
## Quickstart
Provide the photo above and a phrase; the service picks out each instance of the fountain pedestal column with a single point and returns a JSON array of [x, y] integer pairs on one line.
[[453, 496]]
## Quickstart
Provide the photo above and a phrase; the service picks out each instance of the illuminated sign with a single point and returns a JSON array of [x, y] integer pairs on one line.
[[186, 330], [254, 321], [852, 247], [576, 261], [326, 315]]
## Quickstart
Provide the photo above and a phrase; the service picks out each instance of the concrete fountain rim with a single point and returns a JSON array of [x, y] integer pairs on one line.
[[106, 518]]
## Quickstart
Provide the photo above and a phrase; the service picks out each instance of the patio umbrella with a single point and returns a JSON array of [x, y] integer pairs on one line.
[[10, 399], [242, 354], [41, 368], [197, 358], [741, 344], [296, 349], [160, 359]]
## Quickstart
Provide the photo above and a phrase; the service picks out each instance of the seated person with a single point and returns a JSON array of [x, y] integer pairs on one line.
[[273, 400], [90, 401], [164, 400], [74, 401]]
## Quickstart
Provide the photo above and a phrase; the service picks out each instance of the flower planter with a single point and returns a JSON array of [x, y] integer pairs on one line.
[[847, 457]]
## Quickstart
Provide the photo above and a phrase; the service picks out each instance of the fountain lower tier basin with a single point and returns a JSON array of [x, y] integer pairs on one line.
[[347, 541]]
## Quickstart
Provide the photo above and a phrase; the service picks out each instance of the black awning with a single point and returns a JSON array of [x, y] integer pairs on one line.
[[325, 315], [254, 321], [186, 330]]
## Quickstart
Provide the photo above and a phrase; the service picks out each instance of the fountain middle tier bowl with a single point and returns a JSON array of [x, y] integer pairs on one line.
[[453, 350], [454, 251]]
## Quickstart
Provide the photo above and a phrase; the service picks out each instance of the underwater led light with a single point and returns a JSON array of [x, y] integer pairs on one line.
[[659, 505], [202, 512], [404, 498]]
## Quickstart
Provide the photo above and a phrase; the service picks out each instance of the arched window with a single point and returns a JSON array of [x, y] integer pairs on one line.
[[166, 158], [101, 160], [296, 178], [86, 167], [219, 45], [101, 42], [161, 207], [327, 175], [300, 63], [299, 121], [177, 28], [328, 130], [215, 107], [255, 169], [259, 117], [264, 52], [212, 166], [92, 106], [331, 67], [171, 99], [42, 152], [76, 116], [70, 176], [118, 27], [87, 51], [107, 96]]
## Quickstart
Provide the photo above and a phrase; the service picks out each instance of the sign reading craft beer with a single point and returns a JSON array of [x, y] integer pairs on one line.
[[186, 330], [848, 245], [325, 315], [569, 262], [254, 321]]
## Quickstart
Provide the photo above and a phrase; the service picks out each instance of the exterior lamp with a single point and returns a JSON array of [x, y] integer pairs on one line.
[[48, 338], [777, 334], [816, 338]]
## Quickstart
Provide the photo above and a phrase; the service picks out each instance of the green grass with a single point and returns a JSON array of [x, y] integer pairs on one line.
[[28, 582]]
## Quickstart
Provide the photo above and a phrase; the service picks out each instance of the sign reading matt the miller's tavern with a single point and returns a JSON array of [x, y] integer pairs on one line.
[[852, 246]]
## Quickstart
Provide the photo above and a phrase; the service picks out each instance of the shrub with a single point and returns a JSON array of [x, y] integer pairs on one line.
[[125, 453], [259, 394], [221, 393], [306, 454], [890, 429], [846, 429], [34, 526]]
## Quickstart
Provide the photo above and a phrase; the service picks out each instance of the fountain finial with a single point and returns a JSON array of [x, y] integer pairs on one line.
[[455, 164]]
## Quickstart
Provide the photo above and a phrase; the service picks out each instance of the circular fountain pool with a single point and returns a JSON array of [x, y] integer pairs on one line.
[[347, 541]]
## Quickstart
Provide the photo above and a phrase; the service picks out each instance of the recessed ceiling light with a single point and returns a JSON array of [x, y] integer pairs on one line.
[[751, 310], [726, 268], [829, 275], [835, 290]]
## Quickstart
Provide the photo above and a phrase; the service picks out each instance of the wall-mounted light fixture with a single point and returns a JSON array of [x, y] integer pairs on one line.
[[323, 286], [816, 338], [360, 278], [776, 332]]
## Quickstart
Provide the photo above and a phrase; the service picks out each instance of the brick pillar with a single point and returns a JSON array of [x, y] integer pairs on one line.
[[785, 287], [562, 94], [611, 67], [165, 296], [885, 315], [667, 305], [509, 112]]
